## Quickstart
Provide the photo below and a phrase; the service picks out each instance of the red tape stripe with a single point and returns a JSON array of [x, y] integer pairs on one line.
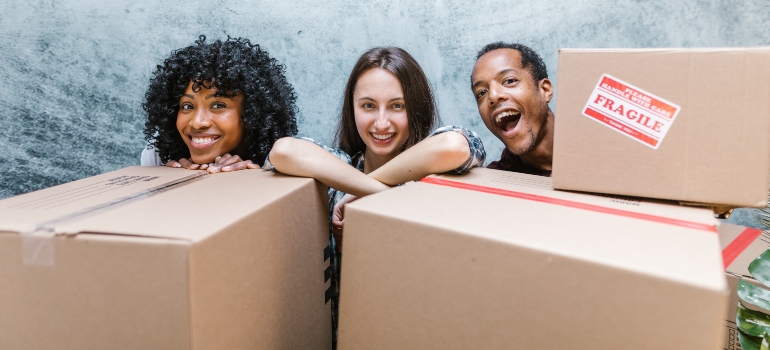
[[739, 244], [571, 204]]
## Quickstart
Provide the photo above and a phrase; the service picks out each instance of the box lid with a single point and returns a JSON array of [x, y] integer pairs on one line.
[[135, 201], [525, 186], [664, 240], [740, 246]]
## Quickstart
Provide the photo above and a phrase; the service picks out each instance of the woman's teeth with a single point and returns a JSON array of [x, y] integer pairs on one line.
[[203, 140], [382, 136]]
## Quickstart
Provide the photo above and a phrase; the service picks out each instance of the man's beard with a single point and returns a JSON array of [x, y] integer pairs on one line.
[[519, 151]]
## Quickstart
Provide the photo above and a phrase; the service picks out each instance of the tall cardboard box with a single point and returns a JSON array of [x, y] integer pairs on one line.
[[499, 260], [740, 246], [690, 125], [161, 258]]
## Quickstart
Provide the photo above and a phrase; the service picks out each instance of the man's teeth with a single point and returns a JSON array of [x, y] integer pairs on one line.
[[203, 140], [382, 136], [505, 114]]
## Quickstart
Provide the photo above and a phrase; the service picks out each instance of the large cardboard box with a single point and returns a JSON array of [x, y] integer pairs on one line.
[[161, 258], [499, 260], [740, 246], [682, 124]]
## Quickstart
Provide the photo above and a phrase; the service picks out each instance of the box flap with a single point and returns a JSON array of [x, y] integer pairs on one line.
[[740, 246], [540, 185], [689, 254], [198, 206], [48, 207]]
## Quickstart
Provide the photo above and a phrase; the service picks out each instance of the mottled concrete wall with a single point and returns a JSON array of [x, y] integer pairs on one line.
[[74, 72]]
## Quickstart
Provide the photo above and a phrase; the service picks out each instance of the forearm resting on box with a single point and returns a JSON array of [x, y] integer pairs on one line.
[[434, 155], [303, 158]]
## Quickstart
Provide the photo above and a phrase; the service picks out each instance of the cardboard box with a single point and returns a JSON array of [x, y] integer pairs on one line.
[[689, 125], [506, 262], [161, 258], [740, 246]]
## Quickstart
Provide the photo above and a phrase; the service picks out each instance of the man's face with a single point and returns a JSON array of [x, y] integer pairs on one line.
[[512, 105]]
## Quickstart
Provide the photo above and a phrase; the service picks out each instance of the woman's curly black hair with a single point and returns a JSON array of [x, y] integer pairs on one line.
[[233, 66]]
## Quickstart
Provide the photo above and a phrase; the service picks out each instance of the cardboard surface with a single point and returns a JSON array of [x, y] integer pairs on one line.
[[679, 124], [429, 266], [731, 338], [740, 246], [161, 258]]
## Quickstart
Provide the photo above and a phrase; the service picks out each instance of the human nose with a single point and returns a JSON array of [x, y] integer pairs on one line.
[[383, 119], [201, 119], [496, 94]]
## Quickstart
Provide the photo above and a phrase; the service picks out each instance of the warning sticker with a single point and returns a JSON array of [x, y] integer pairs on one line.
[[631, 111]]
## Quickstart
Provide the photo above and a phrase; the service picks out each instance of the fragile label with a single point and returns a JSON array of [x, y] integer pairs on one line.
[[631, 111]]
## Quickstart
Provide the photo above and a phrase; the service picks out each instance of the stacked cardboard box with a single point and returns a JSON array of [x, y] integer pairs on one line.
[[689, 125], [682, 124], [740, 246], [161, 258], [499, 260], [496, 260]]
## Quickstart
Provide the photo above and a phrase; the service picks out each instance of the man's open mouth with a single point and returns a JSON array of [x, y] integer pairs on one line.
[[507, 120]]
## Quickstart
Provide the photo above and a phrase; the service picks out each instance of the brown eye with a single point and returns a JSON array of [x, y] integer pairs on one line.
[[186, 107]]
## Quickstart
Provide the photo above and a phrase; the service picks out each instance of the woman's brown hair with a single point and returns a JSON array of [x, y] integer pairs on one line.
[[420, 104]]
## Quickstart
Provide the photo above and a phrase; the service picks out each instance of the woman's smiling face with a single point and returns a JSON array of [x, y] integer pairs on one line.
[[380, 113], [209, 123]]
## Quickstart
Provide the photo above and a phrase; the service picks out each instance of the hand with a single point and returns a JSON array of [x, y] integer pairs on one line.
[[227, 162], [338, 217], [185, 163]]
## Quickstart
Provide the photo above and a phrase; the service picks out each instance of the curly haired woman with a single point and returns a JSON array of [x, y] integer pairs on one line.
[[218, 106]]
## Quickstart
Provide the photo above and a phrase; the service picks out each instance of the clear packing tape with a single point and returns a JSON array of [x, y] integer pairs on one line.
[[37, 244], [37, 247]]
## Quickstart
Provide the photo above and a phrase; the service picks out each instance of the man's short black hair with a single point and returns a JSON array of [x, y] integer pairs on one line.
[[529, 58]]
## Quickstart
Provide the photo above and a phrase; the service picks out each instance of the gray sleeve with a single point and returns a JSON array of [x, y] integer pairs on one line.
[[150, 157]]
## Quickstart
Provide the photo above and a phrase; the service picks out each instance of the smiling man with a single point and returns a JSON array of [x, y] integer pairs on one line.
[[512, 91]]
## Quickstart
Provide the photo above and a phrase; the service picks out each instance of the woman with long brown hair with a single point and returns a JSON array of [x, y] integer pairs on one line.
[[384, 139]]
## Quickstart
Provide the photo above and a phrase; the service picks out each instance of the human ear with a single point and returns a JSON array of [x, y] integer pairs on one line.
[[546, 89]]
